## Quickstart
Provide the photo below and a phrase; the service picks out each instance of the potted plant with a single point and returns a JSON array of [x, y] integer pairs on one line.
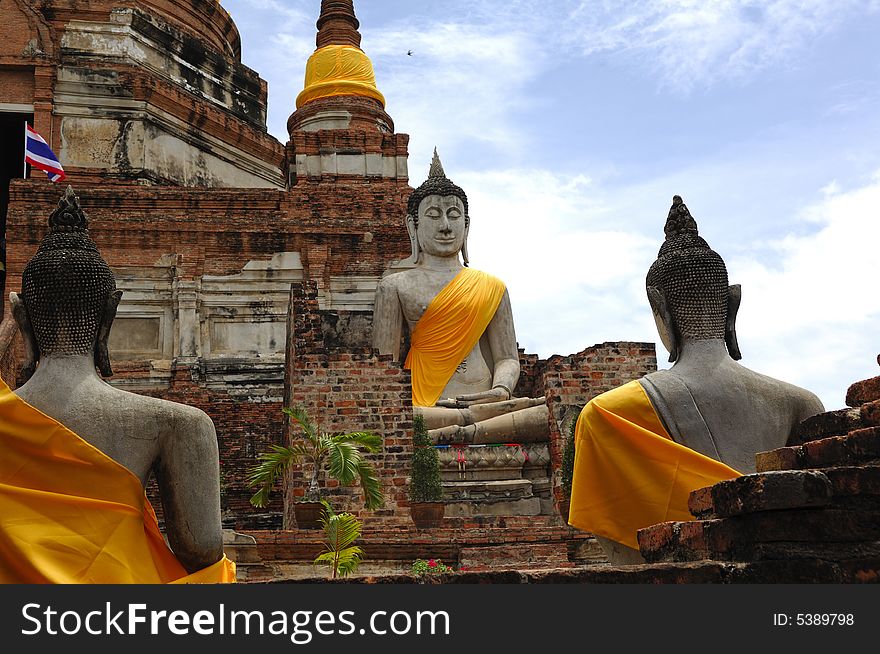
[[337, 454], [425, 490], [567, 472]]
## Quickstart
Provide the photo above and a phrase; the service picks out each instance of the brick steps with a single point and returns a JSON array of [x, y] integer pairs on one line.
[[856, 448], [863, 392], [825, 425]]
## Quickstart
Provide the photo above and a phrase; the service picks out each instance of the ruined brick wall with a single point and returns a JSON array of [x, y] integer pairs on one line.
[[348, 390]]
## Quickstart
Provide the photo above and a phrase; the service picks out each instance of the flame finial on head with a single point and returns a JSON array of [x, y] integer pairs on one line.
[[68, 215], [679, 220], [436, 184], [436, 169]]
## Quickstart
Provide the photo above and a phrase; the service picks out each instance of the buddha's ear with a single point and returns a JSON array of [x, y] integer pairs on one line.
[[734, 297], [467, 229], [31, 347], [666, 326], [102, 354], [413, 231]]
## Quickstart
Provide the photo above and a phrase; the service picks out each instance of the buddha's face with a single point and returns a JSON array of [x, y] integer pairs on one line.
[[441, 225]]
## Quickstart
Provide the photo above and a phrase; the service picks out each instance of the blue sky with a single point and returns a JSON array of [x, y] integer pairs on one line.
[[572, 124]]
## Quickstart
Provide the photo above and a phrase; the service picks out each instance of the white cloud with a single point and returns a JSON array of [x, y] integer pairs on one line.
[[810, 313], [575, 278], [459, 87], [689, 43]]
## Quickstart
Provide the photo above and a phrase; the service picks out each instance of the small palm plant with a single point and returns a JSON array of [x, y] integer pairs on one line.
[[341, 530], [340, 454]]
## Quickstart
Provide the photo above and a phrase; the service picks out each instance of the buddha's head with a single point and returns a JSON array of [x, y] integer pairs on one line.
[[688, 290], [437, 216], [68, 293]]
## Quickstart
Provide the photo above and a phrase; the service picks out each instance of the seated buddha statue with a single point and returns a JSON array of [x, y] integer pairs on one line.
[[463, 351], [643, 447], [76, 453]]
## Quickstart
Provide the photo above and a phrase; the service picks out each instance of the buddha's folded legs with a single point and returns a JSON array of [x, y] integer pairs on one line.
[[437, 417], [531, 425]]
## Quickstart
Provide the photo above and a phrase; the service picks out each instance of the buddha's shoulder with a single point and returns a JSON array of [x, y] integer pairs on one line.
[[154, 410], [804, 403]]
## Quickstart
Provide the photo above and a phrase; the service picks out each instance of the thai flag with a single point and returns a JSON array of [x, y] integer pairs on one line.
[[39, 155]]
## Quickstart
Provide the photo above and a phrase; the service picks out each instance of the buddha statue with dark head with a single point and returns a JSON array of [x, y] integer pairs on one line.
[[65, 311], [707, 400], [642, 448]]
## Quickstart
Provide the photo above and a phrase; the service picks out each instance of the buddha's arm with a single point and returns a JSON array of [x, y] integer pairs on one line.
[[502, 340], [188, 474], [387, 320]]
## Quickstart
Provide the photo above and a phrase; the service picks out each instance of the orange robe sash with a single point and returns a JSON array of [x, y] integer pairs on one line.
[[449, 329], [628, 472], [70, 514]]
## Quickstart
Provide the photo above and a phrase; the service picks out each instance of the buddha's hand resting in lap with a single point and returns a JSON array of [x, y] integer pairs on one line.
[[484, 397]]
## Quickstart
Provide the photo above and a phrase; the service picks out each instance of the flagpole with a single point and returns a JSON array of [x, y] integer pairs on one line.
[[24, 173]]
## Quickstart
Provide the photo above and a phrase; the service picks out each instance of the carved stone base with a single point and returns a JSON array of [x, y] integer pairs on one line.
[[510, 497], [467, 509]]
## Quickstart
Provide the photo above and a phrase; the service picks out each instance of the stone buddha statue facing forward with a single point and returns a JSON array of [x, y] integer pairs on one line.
[[643, 447], [76, 453], [463, 351]]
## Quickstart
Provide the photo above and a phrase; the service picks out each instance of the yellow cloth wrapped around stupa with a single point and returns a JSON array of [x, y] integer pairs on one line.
[[628, 472], [339, 70], [70, 514], [449, 329]]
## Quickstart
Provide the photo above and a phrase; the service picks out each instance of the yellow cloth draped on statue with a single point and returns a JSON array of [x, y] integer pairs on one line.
[[449, 329], [70, 514], [628, 472], [339, 70]]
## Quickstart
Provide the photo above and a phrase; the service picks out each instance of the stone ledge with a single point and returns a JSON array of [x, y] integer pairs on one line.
[[825, 425], [767, 491], [858, 447], [863, 392], [707, 572], [816, 533]]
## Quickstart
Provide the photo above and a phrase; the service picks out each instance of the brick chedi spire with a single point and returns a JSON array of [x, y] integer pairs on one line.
[[340, 127], [337, 24]]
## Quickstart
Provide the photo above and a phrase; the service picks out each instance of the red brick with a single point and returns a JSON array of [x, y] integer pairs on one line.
[[863, 392]]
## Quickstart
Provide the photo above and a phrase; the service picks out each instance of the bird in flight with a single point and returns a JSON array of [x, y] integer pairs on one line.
[[409, 52]]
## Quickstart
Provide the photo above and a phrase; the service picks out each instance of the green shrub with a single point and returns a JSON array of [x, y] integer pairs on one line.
[[425, 483], [568, 460]]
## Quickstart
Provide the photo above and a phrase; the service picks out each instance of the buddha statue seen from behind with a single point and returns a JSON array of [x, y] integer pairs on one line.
[[65, 311], [463, 351], [642, 448]]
